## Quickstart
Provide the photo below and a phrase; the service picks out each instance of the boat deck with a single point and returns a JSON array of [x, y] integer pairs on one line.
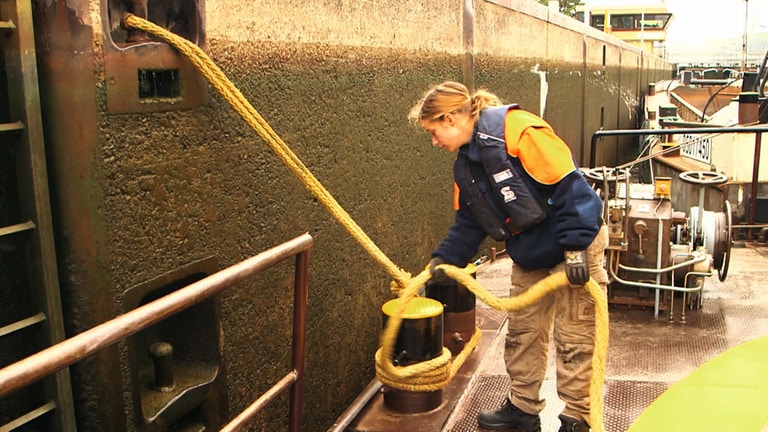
[[646, 355]]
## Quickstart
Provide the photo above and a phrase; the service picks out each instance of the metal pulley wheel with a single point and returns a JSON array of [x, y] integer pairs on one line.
[[703, 177], [599, 174], [723, 241], [716, 236]]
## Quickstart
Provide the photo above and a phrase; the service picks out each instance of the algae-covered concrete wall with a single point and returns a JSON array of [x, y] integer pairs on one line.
[[142, 193]]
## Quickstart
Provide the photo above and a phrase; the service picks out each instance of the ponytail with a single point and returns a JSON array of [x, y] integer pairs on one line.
[[481, 100]]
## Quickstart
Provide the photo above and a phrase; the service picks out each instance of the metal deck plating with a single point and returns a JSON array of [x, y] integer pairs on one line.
[[645, 356]]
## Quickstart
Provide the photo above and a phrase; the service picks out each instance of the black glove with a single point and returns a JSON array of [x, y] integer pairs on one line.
[[576, 267], [438, 275]]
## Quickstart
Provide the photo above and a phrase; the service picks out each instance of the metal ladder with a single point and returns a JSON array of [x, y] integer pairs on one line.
[[29, 282]]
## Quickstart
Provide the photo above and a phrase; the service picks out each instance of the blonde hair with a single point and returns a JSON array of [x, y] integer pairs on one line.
[[451, 97]]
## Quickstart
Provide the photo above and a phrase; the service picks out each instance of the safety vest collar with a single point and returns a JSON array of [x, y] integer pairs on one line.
[[490, 126]]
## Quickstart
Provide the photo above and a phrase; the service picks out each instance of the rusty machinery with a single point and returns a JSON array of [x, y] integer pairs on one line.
[[655, 251]]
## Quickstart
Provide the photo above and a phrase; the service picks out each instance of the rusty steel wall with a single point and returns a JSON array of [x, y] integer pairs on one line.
[[138, 195]]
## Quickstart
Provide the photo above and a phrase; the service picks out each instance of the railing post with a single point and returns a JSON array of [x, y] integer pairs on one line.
[[755, 179], [300, 298]]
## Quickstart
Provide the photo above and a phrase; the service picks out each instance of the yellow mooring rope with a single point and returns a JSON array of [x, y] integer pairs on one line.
[[435, 373]]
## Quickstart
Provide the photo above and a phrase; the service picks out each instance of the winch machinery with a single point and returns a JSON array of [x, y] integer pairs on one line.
[[655, 251]]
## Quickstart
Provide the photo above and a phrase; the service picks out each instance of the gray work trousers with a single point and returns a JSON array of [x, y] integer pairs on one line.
[[571, 311]]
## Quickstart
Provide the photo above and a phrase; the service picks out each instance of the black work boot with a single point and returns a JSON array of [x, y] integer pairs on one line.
[[510, 418], [570, 424]]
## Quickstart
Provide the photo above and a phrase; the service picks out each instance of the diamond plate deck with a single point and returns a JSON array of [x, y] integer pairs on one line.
[[645, 355]]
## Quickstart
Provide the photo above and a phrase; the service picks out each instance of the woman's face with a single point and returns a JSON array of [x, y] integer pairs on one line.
[[452, 131]]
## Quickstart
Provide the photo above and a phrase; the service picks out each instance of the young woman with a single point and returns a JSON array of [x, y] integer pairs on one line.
[[516, 181]]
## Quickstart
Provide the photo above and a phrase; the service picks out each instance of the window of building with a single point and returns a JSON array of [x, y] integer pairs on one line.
[[639, 21], [598, 21], [653, 21], [622, 22]]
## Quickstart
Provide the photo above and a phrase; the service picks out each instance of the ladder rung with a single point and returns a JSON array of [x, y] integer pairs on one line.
[[18, 325], [13, 229], [7, 25], [11, 127], [28, 417]]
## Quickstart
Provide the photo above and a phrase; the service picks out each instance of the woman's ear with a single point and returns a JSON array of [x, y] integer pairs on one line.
[[449, 119]]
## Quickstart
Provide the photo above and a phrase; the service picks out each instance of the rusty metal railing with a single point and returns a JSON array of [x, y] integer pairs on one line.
[[758, 130], [71, 350]]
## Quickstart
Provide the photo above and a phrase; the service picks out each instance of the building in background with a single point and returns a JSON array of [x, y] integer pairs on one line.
[[706, 33], [642, 25]]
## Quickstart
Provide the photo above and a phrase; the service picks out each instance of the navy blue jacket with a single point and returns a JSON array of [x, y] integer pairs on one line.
[[573, 208]]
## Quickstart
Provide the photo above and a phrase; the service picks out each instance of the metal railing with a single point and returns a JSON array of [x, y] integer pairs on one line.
[[758, 130], [76, 348]]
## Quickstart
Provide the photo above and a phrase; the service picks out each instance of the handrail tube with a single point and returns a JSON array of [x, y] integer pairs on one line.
[[356, 406], [665, 269], [28, 417], [632, 132], [678, 123], [712, 81], [755, 179], [17, 228], [705, 274], [655, 286], [14, 126], [247, 414], [22, 324], [659, 254], [69, 351]]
